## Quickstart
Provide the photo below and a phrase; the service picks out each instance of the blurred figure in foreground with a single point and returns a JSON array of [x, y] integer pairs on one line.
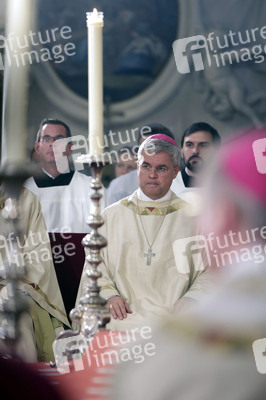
[[46, 316], [208, 352]]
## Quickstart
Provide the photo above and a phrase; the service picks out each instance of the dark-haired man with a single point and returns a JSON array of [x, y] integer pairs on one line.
[[197, 145], [64, 196]]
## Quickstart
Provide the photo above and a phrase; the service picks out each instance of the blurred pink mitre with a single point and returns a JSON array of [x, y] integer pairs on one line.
[[242, 159]]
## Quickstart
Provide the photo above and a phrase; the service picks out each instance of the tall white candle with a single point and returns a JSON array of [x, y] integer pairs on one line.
[[95, 81], [14, 144]]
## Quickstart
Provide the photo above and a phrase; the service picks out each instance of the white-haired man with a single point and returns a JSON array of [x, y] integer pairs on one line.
[[144, 277]]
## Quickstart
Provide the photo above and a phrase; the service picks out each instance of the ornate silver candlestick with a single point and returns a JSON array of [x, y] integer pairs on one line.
[[91, 314]]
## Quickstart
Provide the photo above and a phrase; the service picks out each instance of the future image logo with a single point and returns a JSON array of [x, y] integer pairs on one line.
[[70, 147], [67, 349], [196, 53], [29, 49], [259, 350], [102, 350], [189, 51], [234, 248], [193, 250], [259, 150]]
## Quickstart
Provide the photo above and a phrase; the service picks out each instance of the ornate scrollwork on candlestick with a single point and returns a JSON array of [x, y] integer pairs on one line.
[[91, 314]]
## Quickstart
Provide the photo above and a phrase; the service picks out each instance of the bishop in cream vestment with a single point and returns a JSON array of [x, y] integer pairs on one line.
[[151, 290]]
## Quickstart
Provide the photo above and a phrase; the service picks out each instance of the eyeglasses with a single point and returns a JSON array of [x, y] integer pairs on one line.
[[147, 169], [48, 139]]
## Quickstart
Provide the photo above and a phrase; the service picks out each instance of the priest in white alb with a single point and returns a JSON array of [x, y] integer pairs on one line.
[[64, 197], [145, 274]]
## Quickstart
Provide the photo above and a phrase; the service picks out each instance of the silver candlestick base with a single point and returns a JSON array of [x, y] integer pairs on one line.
[[91, 314]]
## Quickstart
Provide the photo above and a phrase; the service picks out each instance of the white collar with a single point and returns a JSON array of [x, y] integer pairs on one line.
[[143, 197], [50, 176], [187, 171], [47, 173]]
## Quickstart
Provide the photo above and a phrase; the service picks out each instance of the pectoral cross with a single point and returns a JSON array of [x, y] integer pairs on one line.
[[149, 255]]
